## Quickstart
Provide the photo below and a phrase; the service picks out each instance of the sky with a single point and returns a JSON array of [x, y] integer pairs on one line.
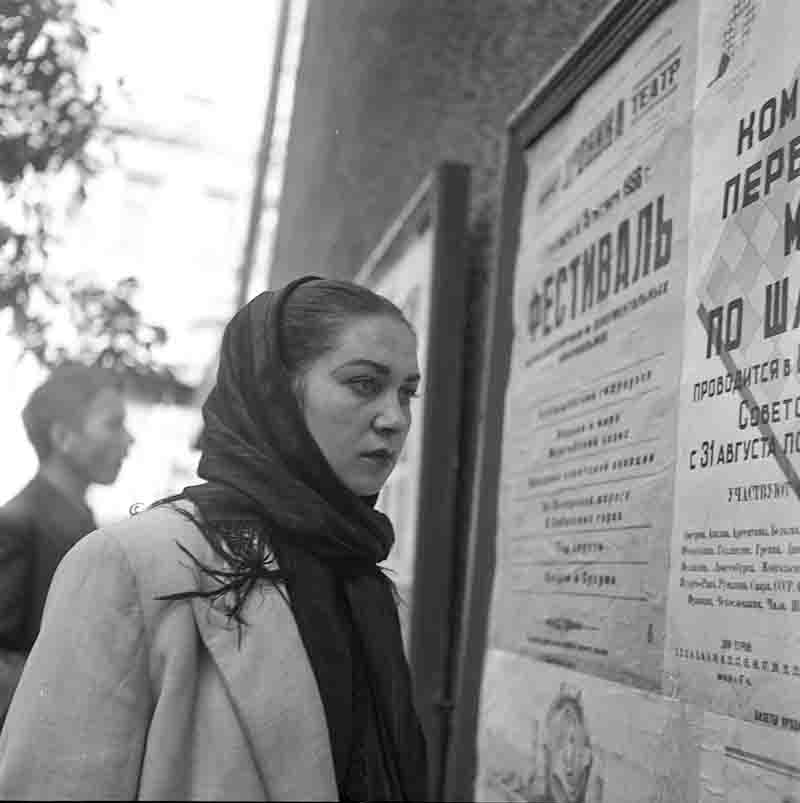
[[174, 216]]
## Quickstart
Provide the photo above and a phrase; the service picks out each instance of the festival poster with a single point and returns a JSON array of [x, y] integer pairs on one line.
[[742, 763], [548, 734], [585, 508], [408, 284], [733, 637]]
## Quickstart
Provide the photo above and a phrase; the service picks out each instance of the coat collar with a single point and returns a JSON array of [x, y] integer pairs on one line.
[[271, 685]]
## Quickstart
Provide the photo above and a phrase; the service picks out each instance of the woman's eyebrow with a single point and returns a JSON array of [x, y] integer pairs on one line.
[[378, 367]]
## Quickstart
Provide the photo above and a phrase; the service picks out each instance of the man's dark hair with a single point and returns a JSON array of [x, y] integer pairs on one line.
[[63, 397]]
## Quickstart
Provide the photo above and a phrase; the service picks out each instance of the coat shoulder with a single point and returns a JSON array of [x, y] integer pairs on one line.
[[151, 546], [164, 549], [153, 529]]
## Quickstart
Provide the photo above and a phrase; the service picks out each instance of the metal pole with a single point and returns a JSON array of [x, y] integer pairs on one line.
[[262, 158]]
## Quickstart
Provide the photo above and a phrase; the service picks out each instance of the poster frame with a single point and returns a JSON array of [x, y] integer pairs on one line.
[[441, 204], [606, 39]]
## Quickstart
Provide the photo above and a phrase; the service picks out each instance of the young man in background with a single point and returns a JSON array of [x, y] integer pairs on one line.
[[75, 421]]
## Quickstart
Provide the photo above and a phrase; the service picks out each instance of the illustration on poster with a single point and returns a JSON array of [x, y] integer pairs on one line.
[[738, 27], [570, 771], [568, 756]]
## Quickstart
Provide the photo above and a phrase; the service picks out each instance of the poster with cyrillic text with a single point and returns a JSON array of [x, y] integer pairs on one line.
[[733, 642], [585, 509], [741, 762]]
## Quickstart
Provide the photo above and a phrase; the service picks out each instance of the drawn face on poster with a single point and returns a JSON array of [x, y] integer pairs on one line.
[[551, 735], [567, 749]]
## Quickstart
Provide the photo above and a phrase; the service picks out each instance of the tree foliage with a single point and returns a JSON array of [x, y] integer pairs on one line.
[[52, 141]]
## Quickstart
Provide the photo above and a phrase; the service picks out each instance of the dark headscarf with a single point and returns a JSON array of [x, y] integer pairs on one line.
[[259, 458]]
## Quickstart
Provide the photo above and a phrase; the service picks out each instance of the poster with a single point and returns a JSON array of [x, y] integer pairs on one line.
[[408, 284], [733, 641], [742, 763], [549, 734], [585, 508]]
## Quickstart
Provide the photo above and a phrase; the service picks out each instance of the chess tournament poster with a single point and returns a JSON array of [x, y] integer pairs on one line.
[[733, 640]]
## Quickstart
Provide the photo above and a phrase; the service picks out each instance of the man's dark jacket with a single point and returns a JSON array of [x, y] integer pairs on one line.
[[37, 528]]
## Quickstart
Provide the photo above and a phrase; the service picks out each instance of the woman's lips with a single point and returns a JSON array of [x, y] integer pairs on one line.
[[381, 457]]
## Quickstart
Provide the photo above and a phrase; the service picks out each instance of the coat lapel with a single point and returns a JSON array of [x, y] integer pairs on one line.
[[269, 680]]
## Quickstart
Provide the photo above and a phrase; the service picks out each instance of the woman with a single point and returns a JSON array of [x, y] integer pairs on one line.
[[239, 641]]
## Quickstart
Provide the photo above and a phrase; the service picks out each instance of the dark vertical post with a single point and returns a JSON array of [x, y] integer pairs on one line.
[[434, 562], [469, 628]]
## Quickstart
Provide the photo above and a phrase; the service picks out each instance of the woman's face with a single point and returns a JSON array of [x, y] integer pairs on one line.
[[356, 399]]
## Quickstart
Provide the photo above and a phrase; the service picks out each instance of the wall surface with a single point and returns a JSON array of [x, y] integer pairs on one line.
[[385, 91]]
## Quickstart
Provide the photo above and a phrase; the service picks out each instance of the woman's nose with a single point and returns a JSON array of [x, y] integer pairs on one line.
[[392, 415]]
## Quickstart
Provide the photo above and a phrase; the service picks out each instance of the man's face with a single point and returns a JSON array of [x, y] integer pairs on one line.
[[98, 449]]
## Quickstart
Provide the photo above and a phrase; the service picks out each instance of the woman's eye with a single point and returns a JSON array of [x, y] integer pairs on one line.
[[365, 386], [408, 393]]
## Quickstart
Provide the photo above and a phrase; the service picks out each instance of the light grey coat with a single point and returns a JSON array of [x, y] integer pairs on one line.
[[127, 697]]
